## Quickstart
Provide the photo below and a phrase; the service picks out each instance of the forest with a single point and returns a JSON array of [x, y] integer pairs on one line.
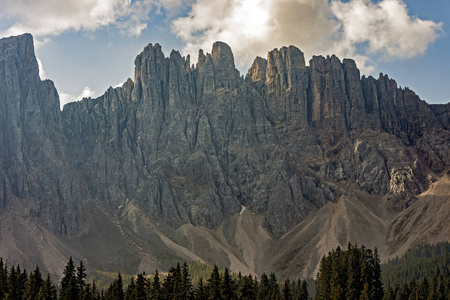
[[353, 273]]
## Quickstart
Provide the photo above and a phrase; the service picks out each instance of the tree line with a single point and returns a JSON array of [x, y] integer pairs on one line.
[[16, 283], [421, 273], [433, 288], [421, 262], [354, 274]]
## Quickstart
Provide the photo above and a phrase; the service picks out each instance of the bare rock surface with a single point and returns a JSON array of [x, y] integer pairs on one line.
[[189, 146]]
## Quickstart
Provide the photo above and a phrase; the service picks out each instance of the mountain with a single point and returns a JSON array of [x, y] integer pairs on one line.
[[194, 162]]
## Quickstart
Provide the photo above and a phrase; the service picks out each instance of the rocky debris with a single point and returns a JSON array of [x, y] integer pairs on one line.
[[193, 144]]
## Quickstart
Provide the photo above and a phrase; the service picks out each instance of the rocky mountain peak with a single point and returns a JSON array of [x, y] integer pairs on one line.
[[194, 148], [225, 73], [21, 48]]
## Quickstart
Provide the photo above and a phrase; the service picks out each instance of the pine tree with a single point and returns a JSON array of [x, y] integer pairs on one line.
[[351, 274], [69, 287], [12, 285], [377, 285], [202, 291], [3, 279], [95, 294], [304, 295], [390, 295], [130, 289], [227, 287], [287, 292], [33, 285], [87, 293], [214, 284], [140, 291], [16, 283], [186, 282], [47, 290], [264, 288], [274, 287], [115, 290], [155, 287], [81, 277], [422, 290], [246, 288], [168, 284], [22, 278], [323, 290]]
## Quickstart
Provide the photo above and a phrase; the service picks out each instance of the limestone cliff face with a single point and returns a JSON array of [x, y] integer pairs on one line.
[[193, 144], [189, 144], [32, 150]]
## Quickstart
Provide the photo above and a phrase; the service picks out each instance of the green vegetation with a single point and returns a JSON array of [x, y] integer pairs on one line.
[[176, 284], [421, 273], [422, 262], [354, 273]]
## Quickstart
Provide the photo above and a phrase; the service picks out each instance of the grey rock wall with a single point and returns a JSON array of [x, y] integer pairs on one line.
[[193, 143]]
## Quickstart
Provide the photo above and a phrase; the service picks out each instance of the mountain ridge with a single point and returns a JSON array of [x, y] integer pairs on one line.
[[189, 145]]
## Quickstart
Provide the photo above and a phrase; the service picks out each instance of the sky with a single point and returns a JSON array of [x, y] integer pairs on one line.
[[86, 46]]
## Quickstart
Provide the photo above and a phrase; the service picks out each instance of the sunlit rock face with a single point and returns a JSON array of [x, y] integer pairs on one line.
[[193, 144]]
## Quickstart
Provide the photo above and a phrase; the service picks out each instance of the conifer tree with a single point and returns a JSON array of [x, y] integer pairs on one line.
[[377, 284], [323, 290], [155, 287], [87, 293], [80, 277], [274, 287], [390, 295], [140, 290], [69, 287], [186, 284], [22, 278], [3, 279], [115, 290], [287, 292], [304, 294], [16, 283], [351, 274], [12, 285], [264, 288], [202, 291], [246, 288], [301, 292], [227, 288], [214, 283], [130, 289], [47, 290], [168, 284], [33, 285]]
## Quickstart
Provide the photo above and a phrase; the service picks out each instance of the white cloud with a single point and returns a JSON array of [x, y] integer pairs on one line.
[[386, 27], [360, 29], [53, 17], [41, 69], [65, 98]]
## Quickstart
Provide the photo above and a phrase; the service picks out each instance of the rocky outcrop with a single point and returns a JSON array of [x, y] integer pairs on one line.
[[32, 148], [198, 144], [187, 153]]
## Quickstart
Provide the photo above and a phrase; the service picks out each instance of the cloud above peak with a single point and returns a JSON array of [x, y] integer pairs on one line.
[[365, 30], [361, 29], [54, 17]]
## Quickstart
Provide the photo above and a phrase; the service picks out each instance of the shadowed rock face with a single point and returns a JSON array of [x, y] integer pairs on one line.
[[33, 146], [193, 144]]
